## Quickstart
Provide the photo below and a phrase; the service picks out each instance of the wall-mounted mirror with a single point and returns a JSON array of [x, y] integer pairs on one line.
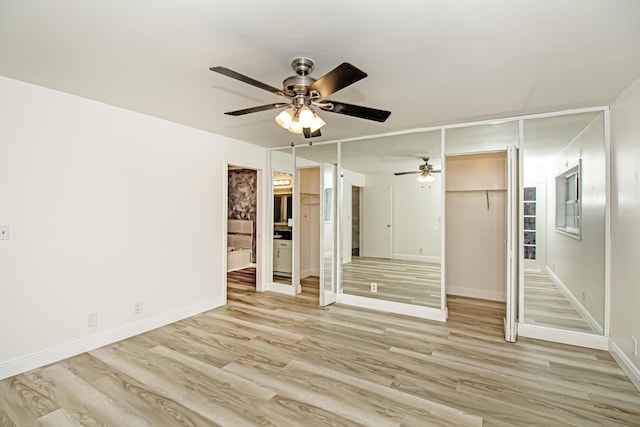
[[564, 201], [316, 167], [282, 202], [476, 209], [391, 218]]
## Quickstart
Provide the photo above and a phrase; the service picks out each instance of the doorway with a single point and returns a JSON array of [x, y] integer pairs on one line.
[[355, 221], [242, 219], [309, 248], [476, 231]]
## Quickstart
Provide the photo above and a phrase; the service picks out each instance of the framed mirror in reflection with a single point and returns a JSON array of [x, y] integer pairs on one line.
[[391, 221]]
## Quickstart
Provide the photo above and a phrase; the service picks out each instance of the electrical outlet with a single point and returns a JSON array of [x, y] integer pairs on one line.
[[4, 232], [92, 320], [421, 250], [137, 307], [374, 287], [635, 346]]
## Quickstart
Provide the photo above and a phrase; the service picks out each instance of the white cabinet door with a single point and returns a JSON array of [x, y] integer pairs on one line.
[[282, 256]]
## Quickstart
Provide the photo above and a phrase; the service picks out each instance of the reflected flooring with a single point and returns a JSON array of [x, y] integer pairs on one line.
[[269, 359], [546, 305], [409, 282], [244, 277], [284, 280]]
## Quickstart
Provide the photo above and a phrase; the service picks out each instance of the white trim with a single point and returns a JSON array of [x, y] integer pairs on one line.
[[309, 272], [393, 307], [419, 258], [627, 366], [82, 345], [593, 324], [460, 125], [463, 291], [607, 225], [580, 339], [281, 288]]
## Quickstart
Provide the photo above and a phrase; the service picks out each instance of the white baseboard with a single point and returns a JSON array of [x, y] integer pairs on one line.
[[580, 339], [309, 272], [82, 345], [463, 291], [281, 288], [591, 321], [419, 258], [627, 366], [393, 307]]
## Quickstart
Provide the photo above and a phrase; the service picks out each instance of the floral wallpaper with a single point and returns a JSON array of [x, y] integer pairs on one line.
[[243, 200]]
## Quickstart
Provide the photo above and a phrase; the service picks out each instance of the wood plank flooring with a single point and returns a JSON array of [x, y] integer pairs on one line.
[[268, 359], [408, 282], [546, 305]]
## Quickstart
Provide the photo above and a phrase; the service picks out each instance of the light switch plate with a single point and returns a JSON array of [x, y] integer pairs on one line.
[[4, 232]]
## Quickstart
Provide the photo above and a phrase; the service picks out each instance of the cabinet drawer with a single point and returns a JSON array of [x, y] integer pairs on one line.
[[282, 244]]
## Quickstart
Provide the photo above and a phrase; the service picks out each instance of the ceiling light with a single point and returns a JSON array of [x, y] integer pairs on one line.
[[425, 177], [305, 116], [317, 123], [281, 182], [294, 119], [295, 126], [285, 118]]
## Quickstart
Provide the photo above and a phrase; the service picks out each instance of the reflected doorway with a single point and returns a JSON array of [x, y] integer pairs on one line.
[[476, 210], [355, 221], [309, 225], [242, 217]]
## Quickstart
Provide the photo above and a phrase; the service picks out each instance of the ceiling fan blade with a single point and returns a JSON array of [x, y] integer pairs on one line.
[[340, 77], [355, 111], [434, 171], [406, 173], [235, 75], [256, 109]]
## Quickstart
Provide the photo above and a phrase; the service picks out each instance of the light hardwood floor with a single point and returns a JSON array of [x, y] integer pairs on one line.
[[268, 359], [408, 282], [546, 305]]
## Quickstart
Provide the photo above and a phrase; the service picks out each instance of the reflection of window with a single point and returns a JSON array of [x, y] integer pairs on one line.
[[529, 214], [568, 201]]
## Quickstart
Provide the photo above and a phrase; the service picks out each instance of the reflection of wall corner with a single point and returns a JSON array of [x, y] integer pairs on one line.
[[591, 321]]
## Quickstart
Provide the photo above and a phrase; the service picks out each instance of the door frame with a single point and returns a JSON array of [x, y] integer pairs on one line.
[[259, 221]]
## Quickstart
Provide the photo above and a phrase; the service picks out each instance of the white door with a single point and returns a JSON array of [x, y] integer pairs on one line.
[[376, 221], [328, 232], [510, 326]]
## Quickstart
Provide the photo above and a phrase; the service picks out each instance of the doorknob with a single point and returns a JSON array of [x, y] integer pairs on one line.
[[388, 225]]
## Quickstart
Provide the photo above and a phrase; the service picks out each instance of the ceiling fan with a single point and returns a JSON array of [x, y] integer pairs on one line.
[[425, 171], [303, 92]]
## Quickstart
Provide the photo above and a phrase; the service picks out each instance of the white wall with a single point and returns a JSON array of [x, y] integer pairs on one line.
[[415, 210], [625, 282], [579, 264], [106, 207]]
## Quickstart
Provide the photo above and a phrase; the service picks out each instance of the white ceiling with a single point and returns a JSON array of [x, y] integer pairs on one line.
[[429, 62]]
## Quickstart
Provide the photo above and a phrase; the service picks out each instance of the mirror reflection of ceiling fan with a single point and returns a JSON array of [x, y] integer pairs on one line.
[[302, 92], [426, 171]]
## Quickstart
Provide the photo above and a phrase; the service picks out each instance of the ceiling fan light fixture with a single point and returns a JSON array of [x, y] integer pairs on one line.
[[425, 177], [305, 116], [285, 118], [295, 126], [316, 123]]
